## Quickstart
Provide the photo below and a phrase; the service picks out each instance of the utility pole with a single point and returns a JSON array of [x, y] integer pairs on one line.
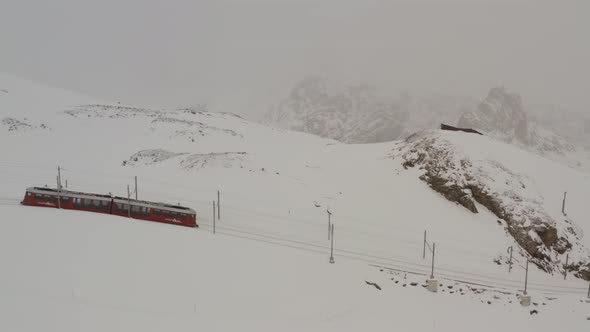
[[424, 247], [565, 267], [433, 252], [218, 207], [510, 261], [58, 187], [329, 222], [58, 193], [128, 202], [66, 183], [563, 204], [213, 217], [136, 187], [332, 245]]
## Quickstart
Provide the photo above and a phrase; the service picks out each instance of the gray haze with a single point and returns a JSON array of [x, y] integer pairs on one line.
[[243, 55]]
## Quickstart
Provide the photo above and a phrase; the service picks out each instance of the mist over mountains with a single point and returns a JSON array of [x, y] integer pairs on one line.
[[364, 114]]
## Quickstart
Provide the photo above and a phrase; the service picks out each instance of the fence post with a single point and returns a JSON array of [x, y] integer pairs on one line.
[[213, 217], [135, 187], [218, 206], [563, 203]]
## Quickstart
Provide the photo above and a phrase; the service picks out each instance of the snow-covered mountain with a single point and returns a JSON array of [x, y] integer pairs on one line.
[[266, 268], [502, 115], [574, 125], [359, 114]]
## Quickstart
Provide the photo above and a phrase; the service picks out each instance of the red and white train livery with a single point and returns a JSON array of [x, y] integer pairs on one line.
[[120, 206]]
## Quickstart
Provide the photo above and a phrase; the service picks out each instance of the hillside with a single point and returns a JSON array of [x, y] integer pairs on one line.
[[266, 268]]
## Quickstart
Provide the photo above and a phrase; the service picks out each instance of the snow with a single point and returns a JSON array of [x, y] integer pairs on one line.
[[266, 268]]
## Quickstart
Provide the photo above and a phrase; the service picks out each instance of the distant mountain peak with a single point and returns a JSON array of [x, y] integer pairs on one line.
[[502, 114]]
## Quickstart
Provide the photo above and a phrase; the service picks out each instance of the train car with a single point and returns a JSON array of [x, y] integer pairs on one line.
[[131, 208]]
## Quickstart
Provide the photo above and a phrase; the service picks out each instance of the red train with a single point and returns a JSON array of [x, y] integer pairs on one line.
[[120, 206]]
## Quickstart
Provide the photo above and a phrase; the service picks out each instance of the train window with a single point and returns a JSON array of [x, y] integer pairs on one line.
[[135, 208], [96, 203], [105, 205], [65, 199], [174, 213], [38, 196], [87, 202], [183, 215], [77, 202], [28, 194]]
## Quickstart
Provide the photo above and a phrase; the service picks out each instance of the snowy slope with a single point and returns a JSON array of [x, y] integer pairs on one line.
[[266, 268]]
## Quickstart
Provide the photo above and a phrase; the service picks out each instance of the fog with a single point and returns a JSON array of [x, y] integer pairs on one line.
[[244, 55]]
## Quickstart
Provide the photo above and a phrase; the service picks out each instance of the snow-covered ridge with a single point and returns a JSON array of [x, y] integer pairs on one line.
[[469, 174]]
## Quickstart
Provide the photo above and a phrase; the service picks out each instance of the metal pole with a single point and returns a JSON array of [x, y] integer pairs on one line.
[[218, 207], [332, 246], [213, 217], [565, 267], [433, 252], [58, 187], [329, 222], [424, 249], [526, 276], [136, 187], [66, 183], [589, 290], [58, 194], [128, 202], [563, 204], [510, 261]]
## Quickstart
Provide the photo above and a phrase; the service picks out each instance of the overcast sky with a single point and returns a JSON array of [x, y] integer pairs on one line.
[[243, 54]]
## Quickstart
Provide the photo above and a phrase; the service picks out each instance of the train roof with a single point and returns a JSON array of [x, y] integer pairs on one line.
[[118, 199]]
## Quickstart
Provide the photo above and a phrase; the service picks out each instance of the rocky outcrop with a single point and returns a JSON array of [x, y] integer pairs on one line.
[[148, 157], [15, 125], [502, 115], [469, 182]]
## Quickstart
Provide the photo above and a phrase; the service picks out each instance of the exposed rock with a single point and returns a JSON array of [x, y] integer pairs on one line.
[[148, 157], [373, 284], [502, 115], [465, 181]]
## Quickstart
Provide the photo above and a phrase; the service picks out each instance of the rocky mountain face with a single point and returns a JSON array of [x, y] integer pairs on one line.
[[468, 172], [502, 115], [359, 114]]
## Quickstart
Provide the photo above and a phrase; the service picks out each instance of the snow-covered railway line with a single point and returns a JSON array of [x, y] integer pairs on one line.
[[392, 263]]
